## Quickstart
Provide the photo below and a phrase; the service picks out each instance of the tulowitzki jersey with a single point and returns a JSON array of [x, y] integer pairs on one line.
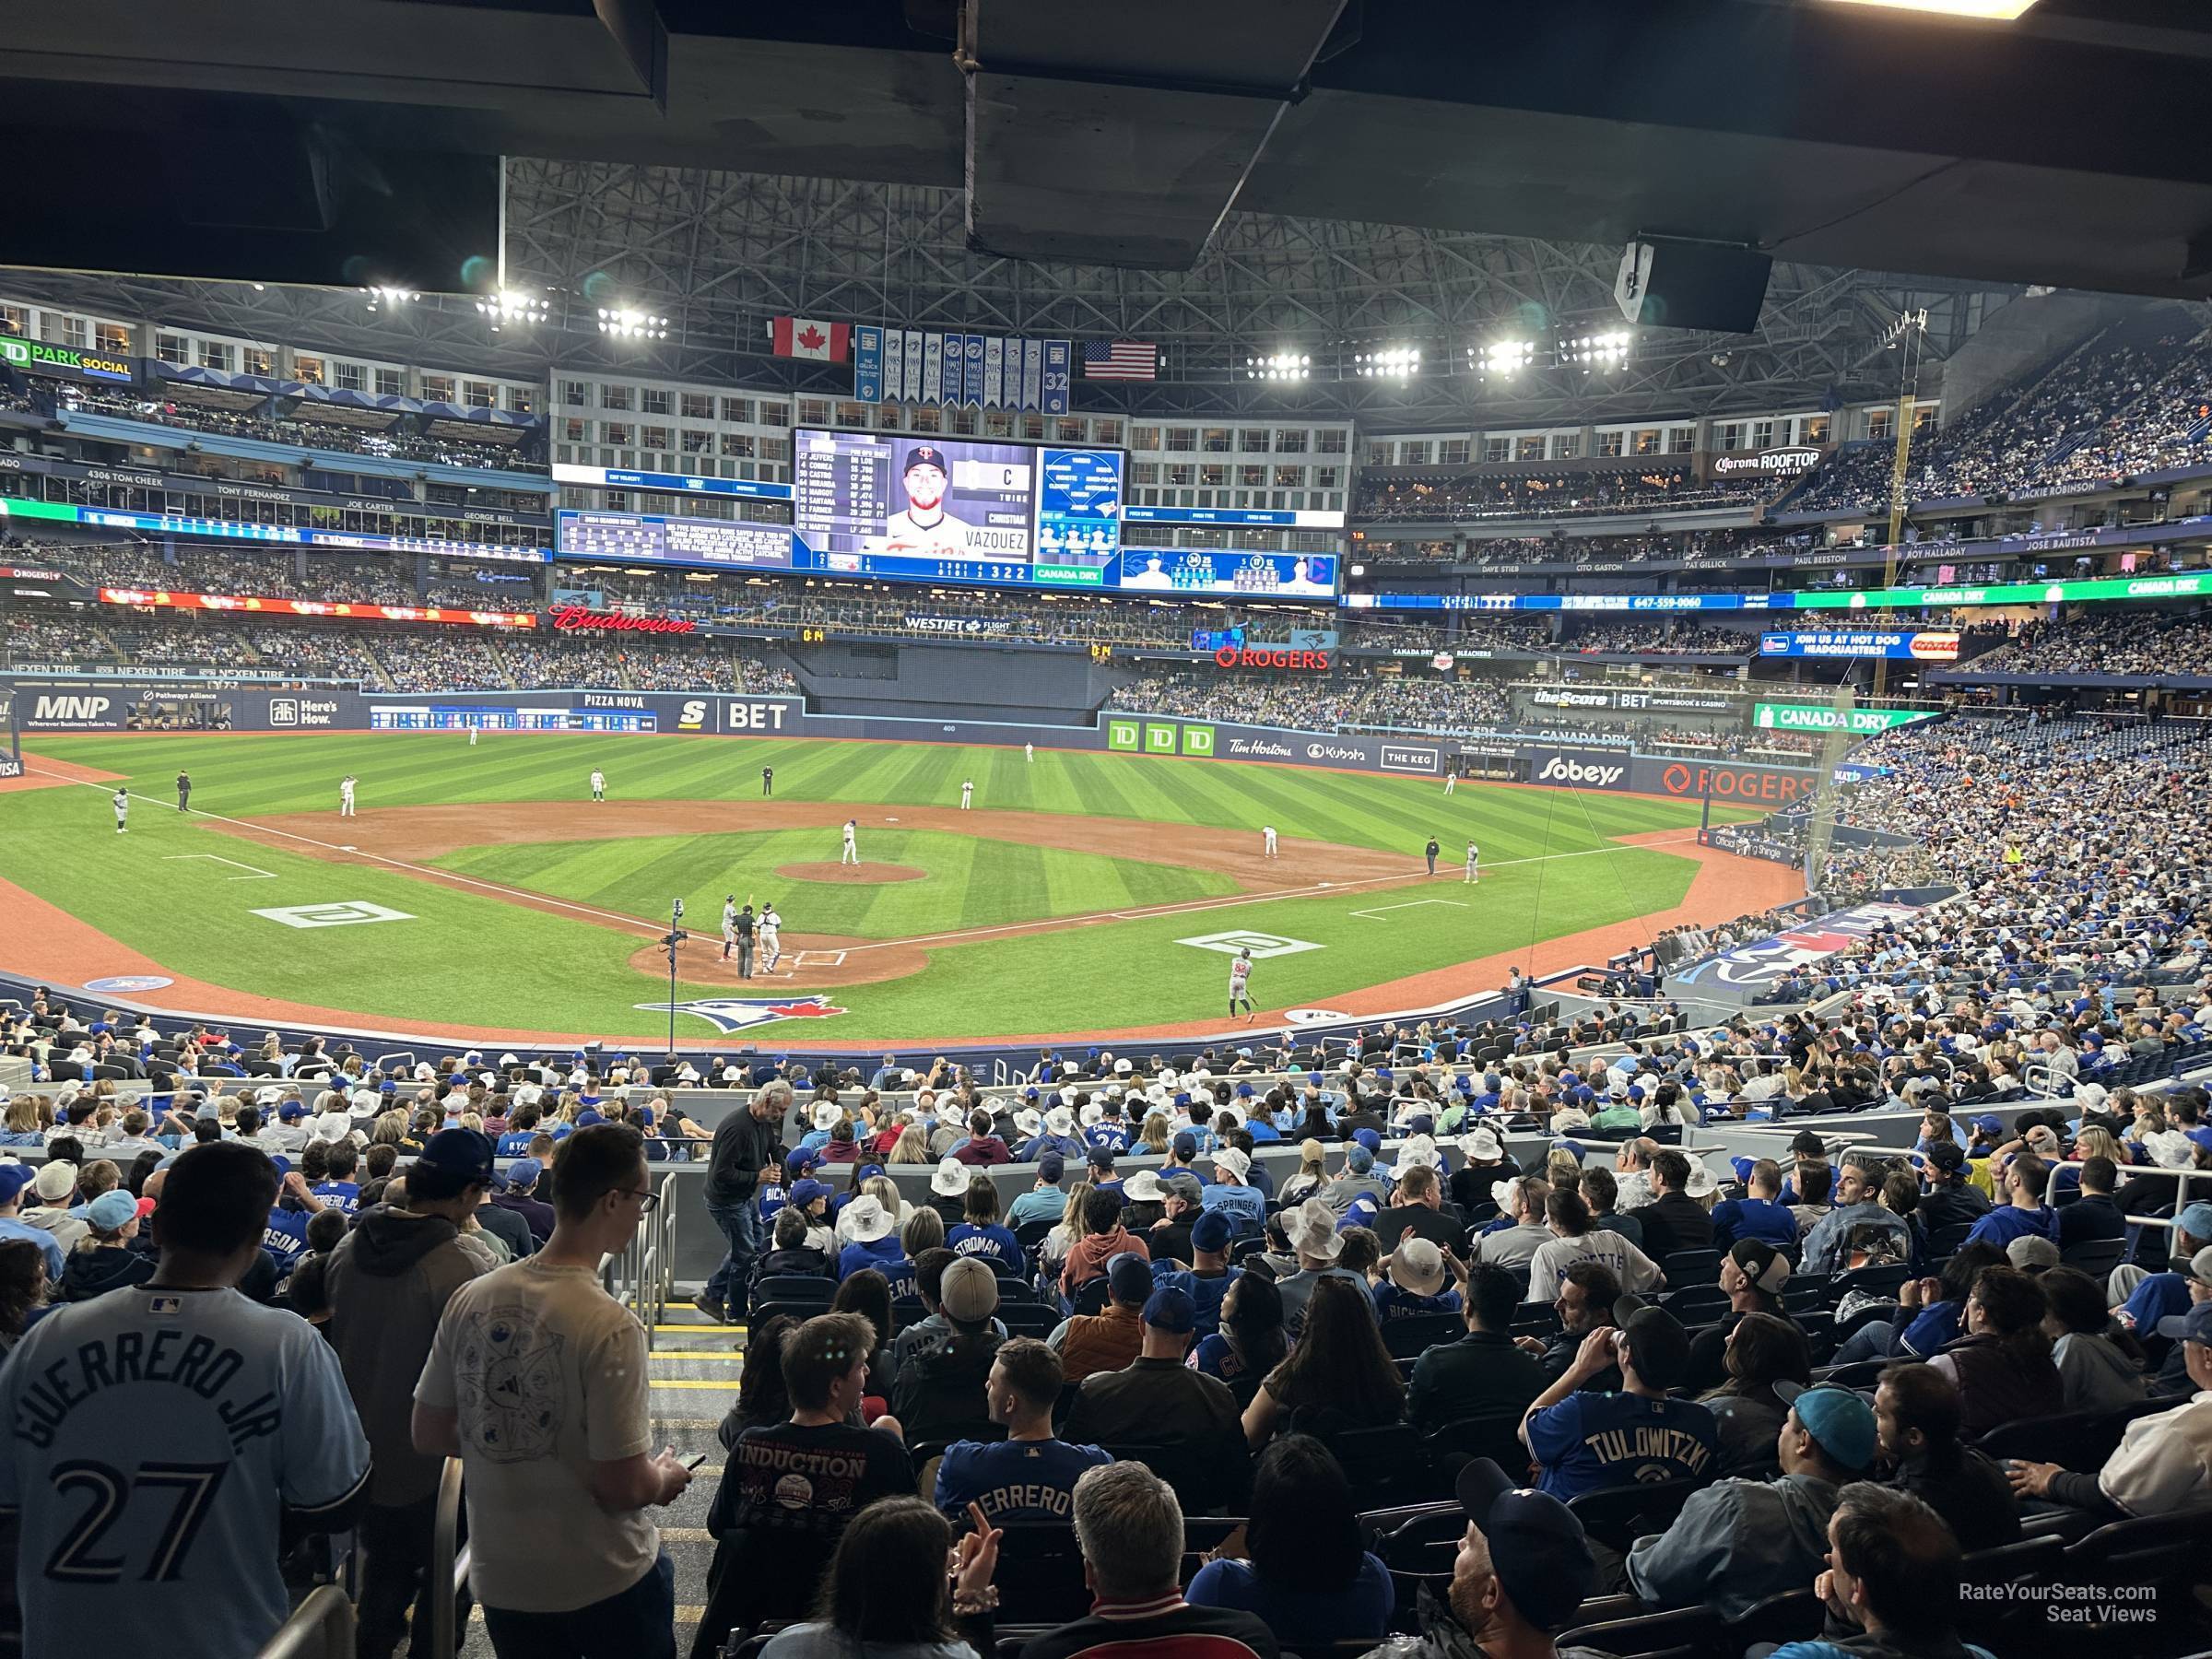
[[154, 1438]]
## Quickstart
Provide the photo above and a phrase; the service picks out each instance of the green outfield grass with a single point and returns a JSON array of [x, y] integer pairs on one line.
[[474, 958]]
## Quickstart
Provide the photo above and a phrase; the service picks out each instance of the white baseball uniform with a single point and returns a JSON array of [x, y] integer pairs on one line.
[[123, 811], [1267, 832], [772, 937], [1451, 782], [967, 794], [472, 737], [1029, 754], [852, 853], [1472, 856], [598, 784], [729, 930], [346, 798]]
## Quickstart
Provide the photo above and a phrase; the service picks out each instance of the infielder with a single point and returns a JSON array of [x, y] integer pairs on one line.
[[852, 853], [1267, 841], [967, 794], [346, 796], [729, 925], [1029, 754], [771, 934], [598, 784], [1240, 979], [1473, 855], [123, 811]]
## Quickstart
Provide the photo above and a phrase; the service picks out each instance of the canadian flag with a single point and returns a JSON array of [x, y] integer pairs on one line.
[[805, 337]]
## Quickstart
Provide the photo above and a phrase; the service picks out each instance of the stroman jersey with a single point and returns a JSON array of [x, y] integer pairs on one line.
[[1590, 1441], [154, 1438]]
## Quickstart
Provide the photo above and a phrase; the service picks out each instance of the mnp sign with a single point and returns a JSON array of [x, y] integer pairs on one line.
[[1578, 768]]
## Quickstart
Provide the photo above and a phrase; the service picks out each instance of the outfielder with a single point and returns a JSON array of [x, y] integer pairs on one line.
[[729, 925], [346, 796], [472, 737], [1473, 855], [598, 784], [1267, 841], [1029, 754], [123, 811], [852, 853], [1451, 782], [771, 934], [1240, 979], [967, 794]]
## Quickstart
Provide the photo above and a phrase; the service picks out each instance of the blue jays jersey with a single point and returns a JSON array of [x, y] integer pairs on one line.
[[154, 1437]]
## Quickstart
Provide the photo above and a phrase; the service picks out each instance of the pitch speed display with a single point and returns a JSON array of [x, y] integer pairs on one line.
[[922, 508]]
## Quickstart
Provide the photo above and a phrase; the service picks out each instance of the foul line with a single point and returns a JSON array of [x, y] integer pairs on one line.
[[252, 872], [1311, 890], [1411, 904]]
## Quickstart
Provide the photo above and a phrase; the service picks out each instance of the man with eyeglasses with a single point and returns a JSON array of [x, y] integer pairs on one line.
[[536, 1380], [1587, 1293]]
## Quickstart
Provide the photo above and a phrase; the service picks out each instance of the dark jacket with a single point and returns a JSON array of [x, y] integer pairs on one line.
[[102, 1268], [1947, 1207], [537, 1215], [1159, 1403], [1970, 1492], [1673, 1222], [939, 1393], [1999, 1381], [743, 1146], [386, 1285], [1481, 1375], [507, 1226]]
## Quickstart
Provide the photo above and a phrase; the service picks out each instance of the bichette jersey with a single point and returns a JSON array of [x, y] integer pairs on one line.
[[155, 1437]]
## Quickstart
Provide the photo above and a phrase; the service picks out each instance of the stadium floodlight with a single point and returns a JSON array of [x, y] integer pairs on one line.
[[1993, 11], [1396, 363], [1279, 365], [1607, 349], [1505, 357], [632, 324], [392, 298], [514, 305]]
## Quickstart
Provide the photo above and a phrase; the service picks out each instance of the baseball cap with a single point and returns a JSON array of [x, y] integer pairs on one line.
[[292, 1110], [804, 1193], [2197, 1222], [523, 1173], [1840, 1421], [926, 454], [2200, 1265], [1760, 1263], [2031, 1252], [1658, 1347], [462, 1152], [2192, 1326], [1051, 1166], [1359, 1160], [1417, 1266], [14, 1178], [1536, 1545], [1101, 1158], [1128, 1277], [1989, 1124], [1211, 1231], [56, 1181], [1186, 1146], [112, 1210], [1169, 1310], [1946, 1155], [968, 1291], [1184, 1185], [1370, 1138]]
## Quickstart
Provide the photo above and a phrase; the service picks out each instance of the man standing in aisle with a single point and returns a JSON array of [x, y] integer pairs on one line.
[[850, 856], [183, 791], [536, 1380], [744, 1154]]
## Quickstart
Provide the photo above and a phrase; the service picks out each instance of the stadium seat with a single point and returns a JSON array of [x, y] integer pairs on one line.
[[1497, 1437], [1945, 1241], [2096, 1257], [1408, 1338], [1617, 1516], [1682, 1633], [1039, 1576], [1696, 1304], [1876, 1281], [1791, 1615], [1685, 1267]]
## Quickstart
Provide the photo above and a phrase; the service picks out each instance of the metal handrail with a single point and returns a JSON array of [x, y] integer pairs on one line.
[[321, 1626], [448, 1561]]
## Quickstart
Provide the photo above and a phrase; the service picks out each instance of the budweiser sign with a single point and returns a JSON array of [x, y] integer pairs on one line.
[[1271, 656], [575, 618]]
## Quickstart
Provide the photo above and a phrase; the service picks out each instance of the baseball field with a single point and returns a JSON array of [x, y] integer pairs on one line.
[[479, 889]]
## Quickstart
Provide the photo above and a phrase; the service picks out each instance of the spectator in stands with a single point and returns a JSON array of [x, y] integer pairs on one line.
[[385, 1288], [2001, 1364], [887, 1590], [1857, 1219], [1103, 1238], [2163, 1465], [1484, 1374], [762, 1400], [938, 1393], [2092, 1216], [1043, 1202], [1673, 1221], [22, 1290], [1601, 1193], [1948, 1198], [1760, 1214], [1417, 1210], [1586, 1442], [980, 1233], [742, 1156], [1737, 1541], [1129, 1526], [790, 1490], [1753, 1273], [2094, 1372], [1031, 1474], [562, 1549], [103, 1259], [1916, 1412], [15, 1179], [1764, 1354], [1576, 1238], [1893, 1575], [1156, 1401], [1522, 1569], [1339, 1376], [1109, 1339], [1311, 1231], [302, 1468], [1207, 1279], [1521, 1208], [875, 1244], [1304, 1569], [1588, 1294], [1251, 1341], [2022, 1214]]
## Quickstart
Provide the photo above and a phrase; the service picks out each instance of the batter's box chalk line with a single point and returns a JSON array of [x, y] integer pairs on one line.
[[1410, 904], [820, 959], [252, 872]]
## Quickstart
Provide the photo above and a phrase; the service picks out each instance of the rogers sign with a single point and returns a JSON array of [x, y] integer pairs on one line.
[[575, 618], [1271, 656], [1735, 783]]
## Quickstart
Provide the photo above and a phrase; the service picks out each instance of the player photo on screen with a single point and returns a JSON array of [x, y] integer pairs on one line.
[[866, 492]]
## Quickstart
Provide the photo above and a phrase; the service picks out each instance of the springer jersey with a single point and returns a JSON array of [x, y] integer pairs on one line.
[[154, 1438]]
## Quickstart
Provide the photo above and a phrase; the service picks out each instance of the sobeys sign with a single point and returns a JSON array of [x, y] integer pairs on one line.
[[1820, 717]]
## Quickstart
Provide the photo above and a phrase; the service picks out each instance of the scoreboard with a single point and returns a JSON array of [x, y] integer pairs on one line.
[[642, 539]]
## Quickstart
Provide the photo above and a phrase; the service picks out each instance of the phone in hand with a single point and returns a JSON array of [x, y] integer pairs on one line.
[[693, 1462]]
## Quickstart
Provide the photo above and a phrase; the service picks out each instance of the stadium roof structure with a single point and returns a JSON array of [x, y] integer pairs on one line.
[[1230, 179]]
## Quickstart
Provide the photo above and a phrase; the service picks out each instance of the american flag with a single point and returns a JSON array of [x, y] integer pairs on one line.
[[1120, 359]]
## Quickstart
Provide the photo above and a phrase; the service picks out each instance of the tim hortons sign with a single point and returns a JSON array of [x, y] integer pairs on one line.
[[575, 618]]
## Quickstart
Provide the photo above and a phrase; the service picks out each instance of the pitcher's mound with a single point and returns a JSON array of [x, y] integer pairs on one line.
[[871, 875]]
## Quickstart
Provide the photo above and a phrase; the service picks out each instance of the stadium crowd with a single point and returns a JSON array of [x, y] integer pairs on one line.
[[396, 441], [2130, 643], [1385, 497]]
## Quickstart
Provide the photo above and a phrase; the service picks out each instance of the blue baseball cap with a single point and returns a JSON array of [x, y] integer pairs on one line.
[[799, 1163], [1101, 1158], [1370, 1138], [1359, 1160], [2192, 1326], [2197, 1222], [1185, 1144], [805, 1193], [1050, 1168], [1128, 1276], [523, 1174], [1538, 1548], [1171, 1310], [112, 1210], [460, 1152], [1840, 1421], [1211, 1231]]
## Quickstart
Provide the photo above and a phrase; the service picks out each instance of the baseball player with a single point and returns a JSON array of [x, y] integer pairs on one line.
[[1267, 841], [346, 796], [123, 811], [1029, 754], [1240, 981], [1473, 856], [925, 528], [771, 934], [472, 737], [598, 784], [768, 782], [729, 925], [852, 853], [1451, 782], [183, 791], [967, 794], [1432, 850]]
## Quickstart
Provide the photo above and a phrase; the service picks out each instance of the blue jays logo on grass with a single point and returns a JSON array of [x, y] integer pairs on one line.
[[742, 1013]]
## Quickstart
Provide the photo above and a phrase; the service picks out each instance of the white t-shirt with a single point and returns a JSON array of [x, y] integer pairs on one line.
[[548, 1373], [946, 534]]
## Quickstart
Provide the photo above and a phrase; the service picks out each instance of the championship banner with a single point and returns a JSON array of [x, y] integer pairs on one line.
[[891, 365]]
